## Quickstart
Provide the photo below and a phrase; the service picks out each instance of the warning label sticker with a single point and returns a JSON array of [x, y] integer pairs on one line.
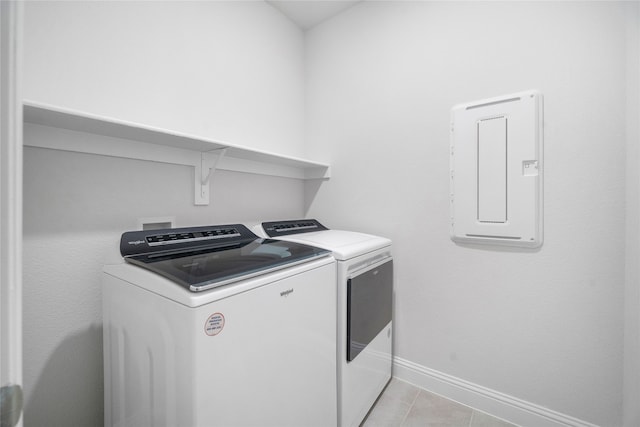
[[214, 324]]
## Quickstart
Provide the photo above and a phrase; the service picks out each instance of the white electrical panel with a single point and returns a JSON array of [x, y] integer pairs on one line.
[[496, 171]]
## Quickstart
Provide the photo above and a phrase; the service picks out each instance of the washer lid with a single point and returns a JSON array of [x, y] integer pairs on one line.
[[206, 257]]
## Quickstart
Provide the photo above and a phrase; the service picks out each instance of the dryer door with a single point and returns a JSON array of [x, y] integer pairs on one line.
[[369, 305]]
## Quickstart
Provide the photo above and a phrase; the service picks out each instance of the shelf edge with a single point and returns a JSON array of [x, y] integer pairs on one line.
[[53, 116]]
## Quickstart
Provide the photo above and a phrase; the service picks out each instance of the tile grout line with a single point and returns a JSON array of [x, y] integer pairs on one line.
[[410, 407], [473, 412]]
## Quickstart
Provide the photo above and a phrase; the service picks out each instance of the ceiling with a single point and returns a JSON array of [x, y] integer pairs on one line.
[[308, 13]]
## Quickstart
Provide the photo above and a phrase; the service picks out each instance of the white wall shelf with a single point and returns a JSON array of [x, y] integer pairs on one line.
[[118, 138]]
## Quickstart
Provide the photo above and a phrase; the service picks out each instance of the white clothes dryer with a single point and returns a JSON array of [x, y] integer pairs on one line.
[[365, 294], [213, 326]]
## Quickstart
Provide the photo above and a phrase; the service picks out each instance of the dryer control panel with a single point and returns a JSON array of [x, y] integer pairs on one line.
[[282, 228]]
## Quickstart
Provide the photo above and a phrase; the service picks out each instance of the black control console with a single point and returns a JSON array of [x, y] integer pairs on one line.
[[282, 228], [148, 241]]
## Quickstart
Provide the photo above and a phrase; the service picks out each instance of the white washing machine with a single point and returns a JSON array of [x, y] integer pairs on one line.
[[213, 326], [365, 294]]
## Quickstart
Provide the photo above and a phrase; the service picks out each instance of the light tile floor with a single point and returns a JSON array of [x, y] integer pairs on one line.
[[405, 405]]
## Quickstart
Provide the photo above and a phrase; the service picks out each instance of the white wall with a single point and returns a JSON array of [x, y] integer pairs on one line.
[[228, 71], [543, 326]]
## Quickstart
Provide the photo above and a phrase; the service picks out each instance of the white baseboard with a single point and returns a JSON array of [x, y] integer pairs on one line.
[[498, 404]]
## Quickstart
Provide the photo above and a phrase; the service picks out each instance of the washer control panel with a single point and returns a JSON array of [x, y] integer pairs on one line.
[[138, 242]]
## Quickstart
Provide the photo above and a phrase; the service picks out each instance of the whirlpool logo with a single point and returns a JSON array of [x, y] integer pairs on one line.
[[136, 242], [286, 293]]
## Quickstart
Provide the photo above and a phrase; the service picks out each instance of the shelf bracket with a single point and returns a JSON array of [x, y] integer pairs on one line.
[[203, 172]]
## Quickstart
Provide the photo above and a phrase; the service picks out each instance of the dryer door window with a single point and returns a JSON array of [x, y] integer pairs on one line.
[[369, 302]]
